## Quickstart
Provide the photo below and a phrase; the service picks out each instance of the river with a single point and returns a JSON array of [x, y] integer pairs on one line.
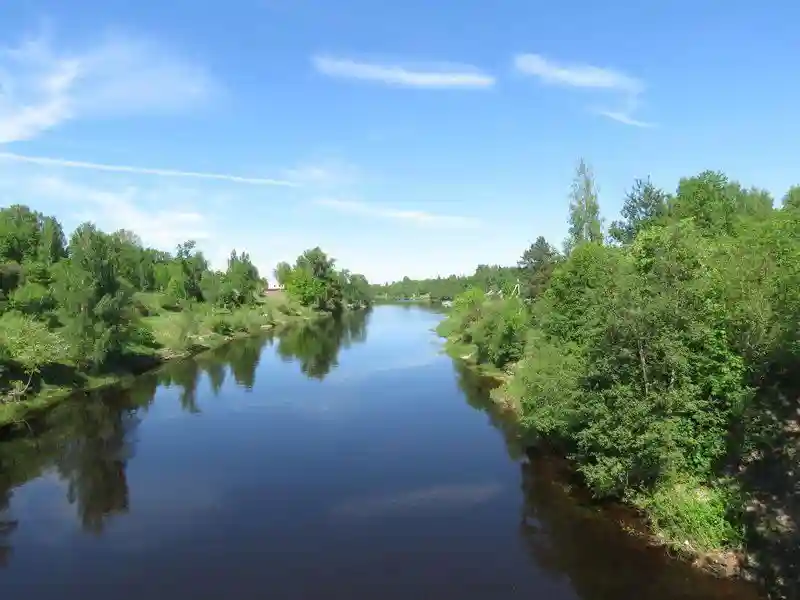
[[346, 460]]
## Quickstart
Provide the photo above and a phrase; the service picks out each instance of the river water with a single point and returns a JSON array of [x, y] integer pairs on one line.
[[342, 460]]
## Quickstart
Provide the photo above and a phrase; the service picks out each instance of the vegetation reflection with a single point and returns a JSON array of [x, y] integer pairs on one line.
[[316, 345], [89, 441]]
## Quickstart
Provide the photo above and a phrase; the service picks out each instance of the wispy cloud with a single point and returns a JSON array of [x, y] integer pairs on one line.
[[42, 87], [587, 76], [414, 217], [128, 208], [438, 75], [575, 75], [624, 118], [76, 164], [325, 173]]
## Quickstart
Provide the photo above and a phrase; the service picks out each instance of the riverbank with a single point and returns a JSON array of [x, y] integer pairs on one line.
[[767, 555], [164, 335], [630, 512]]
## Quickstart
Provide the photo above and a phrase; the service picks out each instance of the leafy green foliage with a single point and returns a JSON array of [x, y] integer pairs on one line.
[[27, 345], [644, 205], [315, 282], [646, 361], [585, 224], [536, 267], [487, 278], [105, 302]]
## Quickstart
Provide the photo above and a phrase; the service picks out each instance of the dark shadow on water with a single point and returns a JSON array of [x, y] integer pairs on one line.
[[569, 535]]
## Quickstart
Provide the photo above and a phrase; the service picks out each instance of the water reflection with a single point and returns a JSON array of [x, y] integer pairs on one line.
[[476, 391], [93, 460], [316, 345], [86, 443], [7, 526], [441, 497]]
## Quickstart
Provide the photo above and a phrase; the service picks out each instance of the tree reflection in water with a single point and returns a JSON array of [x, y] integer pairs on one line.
[[316, 344], [89, 440], [7, 526]]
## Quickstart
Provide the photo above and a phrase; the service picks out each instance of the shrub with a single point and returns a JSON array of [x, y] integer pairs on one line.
[[687, 513], [499, 334], [31, 345]]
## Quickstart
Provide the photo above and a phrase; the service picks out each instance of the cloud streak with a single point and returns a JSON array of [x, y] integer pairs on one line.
[[433, 76], [587, 77], [42, 87], [414, 217], [576, 75], [92, 166]]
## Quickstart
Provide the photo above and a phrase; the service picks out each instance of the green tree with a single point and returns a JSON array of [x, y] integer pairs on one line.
[[791, 199], [585, 224], [282, 273], [95, 303], [29, 345], [536, 266], [644, 205]]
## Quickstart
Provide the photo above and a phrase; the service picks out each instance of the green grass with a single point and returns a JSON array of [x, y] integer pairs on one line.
[[692, 517]]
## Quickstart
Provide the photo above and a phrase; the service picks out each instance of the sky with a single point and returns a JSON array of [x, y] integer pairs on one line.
[[415, 138]]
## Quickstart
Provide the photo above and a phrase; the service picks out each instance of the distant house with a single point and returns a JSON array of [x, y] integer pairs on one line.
[[274, 289]]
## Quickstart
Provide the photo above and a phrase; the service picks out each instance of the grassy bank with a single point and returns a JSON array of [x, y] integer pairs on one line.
[[162, 334]]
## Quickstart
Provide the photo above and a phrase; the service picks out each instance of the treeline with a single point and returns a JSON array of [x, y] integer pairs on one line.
[[314, 281], [658, 353], [487, 278], [75, 311]]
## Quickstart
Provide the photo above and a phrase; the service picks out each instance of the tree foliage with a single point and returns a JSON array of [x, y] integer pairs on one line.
[[81, 304], [489, 278], [646, 361], [315, 282], [585, 224]]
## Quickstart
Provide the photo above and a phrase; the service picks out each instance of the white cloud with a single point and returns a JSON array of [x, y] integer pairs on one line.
[[76, 164], [415, 217], [423, 76], [576, 75], [124, 208], [624, 118], [587, 76], [42, 87]]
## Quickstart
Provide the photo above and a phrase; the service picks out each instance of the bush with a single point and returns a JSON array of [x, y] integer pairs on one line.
[[689, 514], [220, 324], [30, 345], [499, 335], [32, 299]]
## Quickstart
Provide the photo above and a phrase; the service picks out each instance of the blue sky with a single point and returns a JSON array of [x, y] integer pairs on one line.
[[413, 137]]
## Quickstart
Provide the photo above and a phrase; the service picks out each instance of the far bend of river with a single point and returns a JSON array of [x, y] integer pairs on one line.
[[343, 460]]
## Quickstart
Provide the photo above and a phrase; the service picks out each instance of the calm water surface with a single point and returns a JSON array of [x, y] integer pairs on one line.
[[342, 460]]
